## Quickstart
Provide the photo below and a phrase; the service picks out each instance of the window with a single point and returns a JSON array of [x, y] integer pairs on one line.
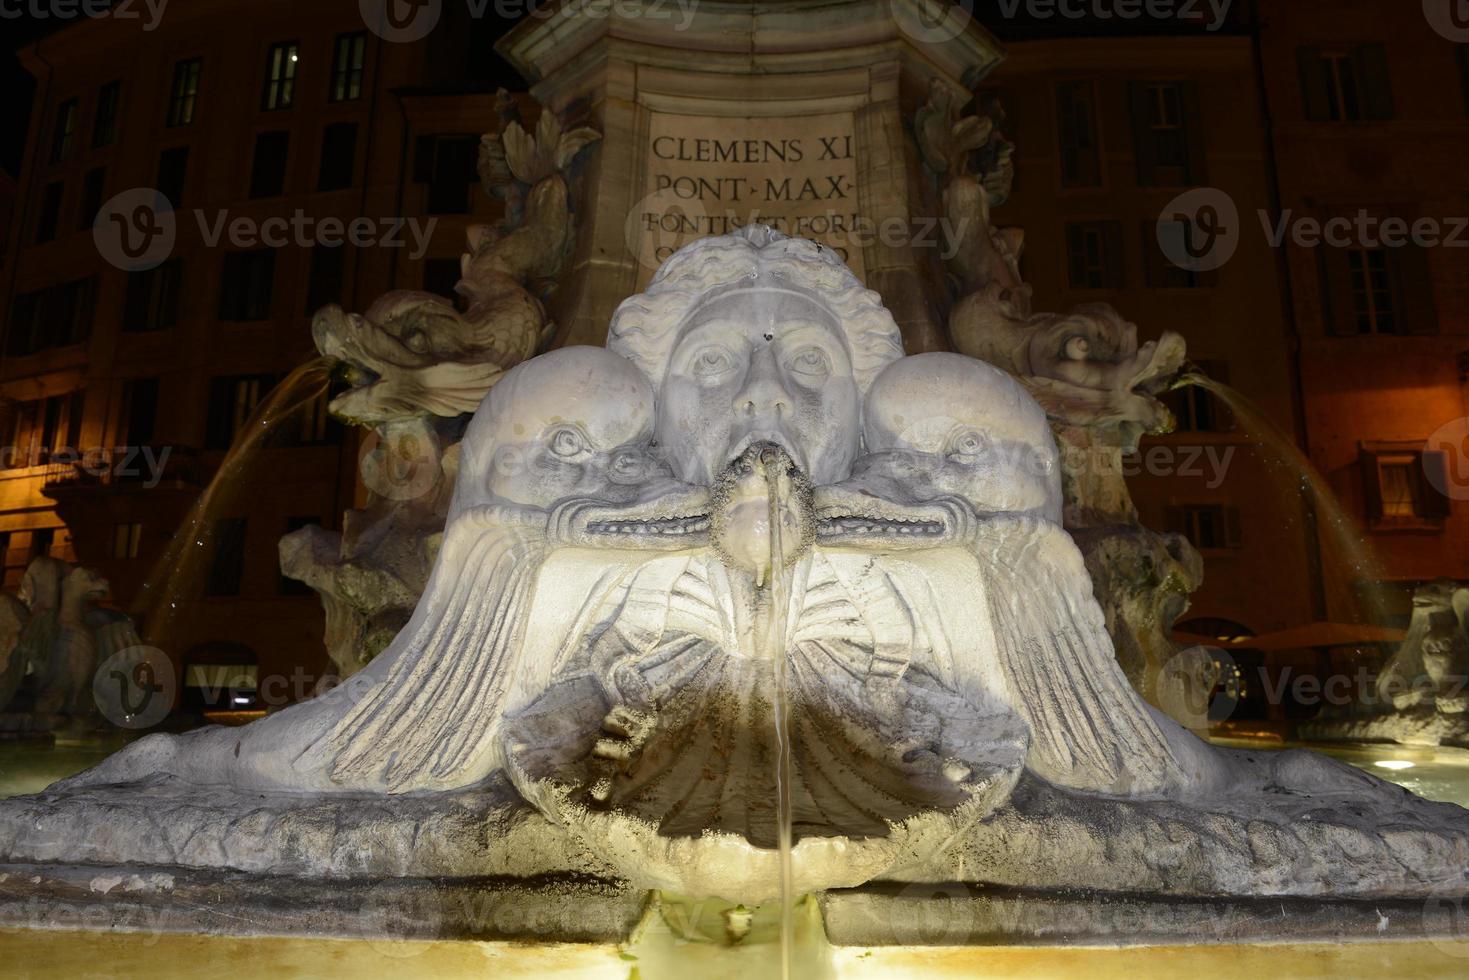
[[140, 410], [338, 156], [173, 167], [57, 316], [1372, 298], [61, 136], [1094, 255], [93, 186], [232, 399], [1346, 85], [280, 76], [324, 285], [1372, 291], [245, 285], [153, 298], [1081, 162], [1160, 271], [1167, 133], [1404, 484], [268, 169], [1208, 527], [125, 540], [185, 92], [227, 569], [104, 123], [347, 59], [447, 165], [50, 213]]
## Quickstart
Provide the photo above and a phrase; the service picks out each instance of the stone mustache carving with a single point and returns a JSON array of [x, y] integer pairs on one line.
[[752, 476]]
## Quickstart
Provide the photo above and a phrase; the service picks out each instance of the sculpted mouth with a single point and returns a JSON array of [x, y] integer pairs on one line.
[[660, 527], [771, 437], [848, 514], [852, 526]]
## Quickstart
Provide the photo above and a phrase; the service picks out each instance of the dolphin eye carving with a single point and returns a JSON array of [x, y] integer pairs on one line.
[[967, 446], [1077, 349], [569, 445]]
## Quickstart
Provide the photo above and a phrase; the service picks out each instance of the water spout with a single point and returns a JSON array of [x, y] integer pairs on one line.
[[179, 569]]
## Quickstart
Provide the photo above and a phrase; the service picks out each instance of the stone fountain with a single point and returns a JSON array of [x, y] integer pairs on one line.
[[747, 605], [1419, 695]]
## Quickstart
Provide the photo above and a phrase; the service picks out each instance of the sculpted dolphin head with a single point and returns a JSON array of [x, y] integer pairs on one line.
[[573, 428], [942, 427]]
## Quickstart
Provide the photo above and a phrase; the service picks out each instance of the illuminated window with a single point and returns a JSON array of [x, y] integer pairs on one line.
[[1404, 485], [280, 76], [185, 92], [1346, 84], [347, 60]]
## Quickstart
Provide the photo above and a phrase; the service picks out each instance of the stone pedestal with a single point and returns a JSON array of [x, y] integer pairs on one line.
[[724, 113]]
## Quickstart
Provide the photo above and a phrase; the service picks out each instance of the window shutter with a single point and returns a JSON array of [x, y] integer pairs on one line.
[[1435, 471], [1116, 261], [1143, 147], [1339, 311], [1371, 486], [1194, 130], [1314, 94], [1370, 61], [1414, 282]]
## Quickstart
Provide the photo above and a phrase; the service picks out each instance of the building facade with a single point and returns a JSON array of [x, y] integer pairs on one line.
[[122, 389]]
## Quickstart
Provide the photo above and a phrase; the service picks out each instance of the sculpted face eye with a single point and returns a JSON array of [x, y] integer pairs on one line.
[[630, 466], [967, 445], [1077, 348], [712, 363], [809, 364], [569, 445], [416, 340]]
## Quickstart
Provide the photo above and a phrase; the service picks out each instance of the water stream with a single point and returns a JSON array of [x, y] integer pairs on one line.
[[181, 570], [1348, 551], [776, 486]]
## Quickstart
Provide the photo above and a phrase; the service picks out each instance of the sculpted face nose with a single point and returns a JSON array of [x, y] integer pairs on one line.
[[764, 392]]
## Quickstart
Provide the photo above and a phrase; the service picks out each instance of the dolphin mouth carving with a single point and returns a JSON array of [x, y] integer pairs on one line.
[[857, 516], [675, 518]]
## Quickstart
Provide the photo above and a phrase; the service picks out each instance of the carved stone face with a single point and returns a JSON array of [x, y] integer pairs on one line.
[[948, 424], [575, 422], [760, 366]]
